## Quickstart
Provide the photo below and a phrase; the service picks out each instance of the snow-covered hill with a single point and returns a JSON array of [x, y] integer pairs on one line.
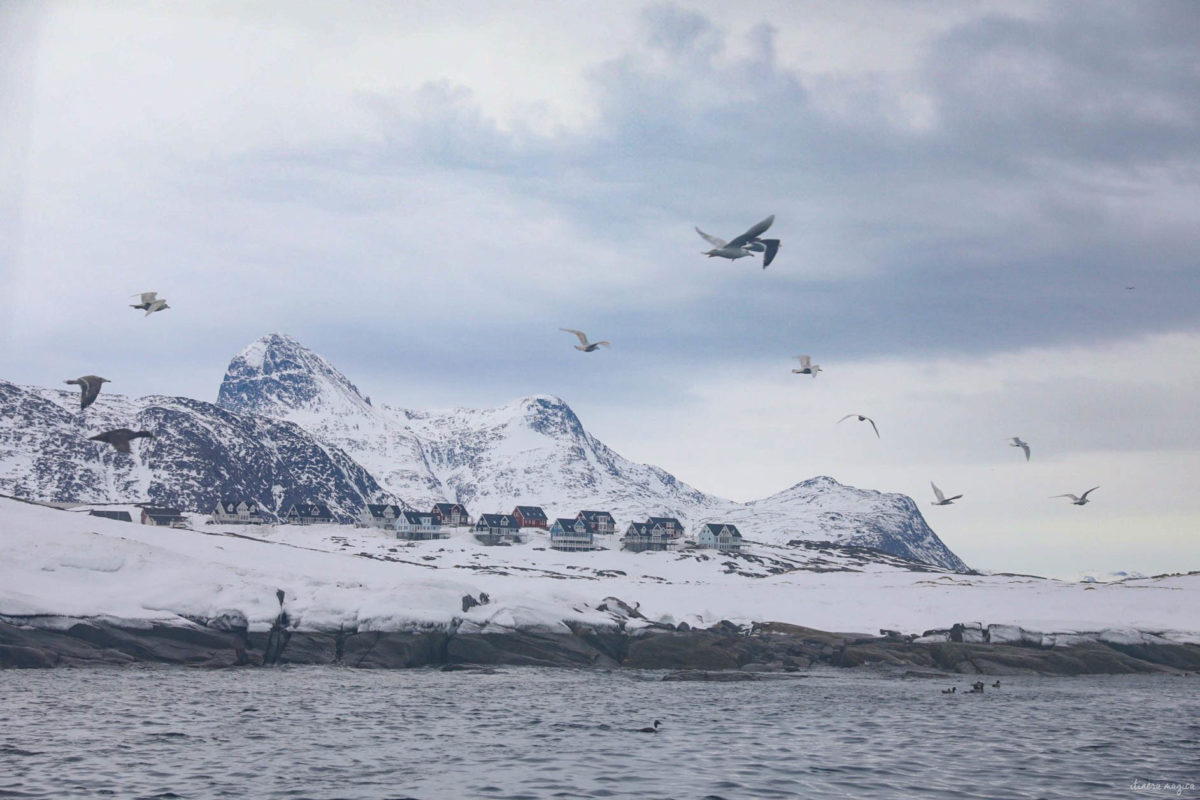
[[288, 426], [535, 451]]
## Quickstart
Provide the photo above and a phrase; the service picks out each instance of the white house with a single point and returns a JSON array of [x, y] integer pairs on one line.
[[418, 525], [380, 516], [723, 537], [570, 534], [239, 512]]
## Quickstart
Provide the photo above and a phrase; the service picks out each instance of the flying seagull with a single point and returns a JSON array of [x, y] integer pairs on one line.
[[942, 500], [1016, 442], [584, 344], [1079, 501], [809, 368], [744, 245], [120, 438], [150, 302], [89, 388], [861, 418]]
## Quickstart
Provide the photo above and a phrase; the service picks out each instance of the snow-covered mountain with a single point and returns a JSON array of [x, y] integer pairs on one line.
[[200, 454], [289, 427], [535, 451]]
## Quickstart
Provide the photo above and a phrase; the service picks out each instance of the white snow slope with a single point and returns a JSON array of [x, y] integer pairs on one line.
[[61, 564]]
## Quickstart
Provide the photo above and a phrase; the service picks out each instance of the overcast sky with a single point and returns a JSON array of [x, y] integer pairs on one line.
[[425, 192]]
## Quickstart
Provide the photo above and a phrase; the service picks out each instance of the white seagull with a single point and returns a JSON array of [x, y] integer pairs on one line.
[[746, 244], [942, 500], [584, 344], [150, 302], [807, 367], [1016, 442], [861, 418], [1079, 501]]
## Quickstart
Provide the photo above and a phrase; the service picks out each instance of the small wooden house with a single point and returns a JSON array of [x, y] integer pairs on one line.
[[722, 537], [649, 535], [530, 517], [570, 534], [417, 525], [497, 529], [307, 514], [233, 511], [163, 517], [451, 515], [380, 515], [600, 523]]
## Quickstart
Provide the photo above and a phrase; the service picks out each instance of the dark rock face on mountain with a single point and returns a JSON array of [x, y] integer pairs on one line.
[[200, 453]]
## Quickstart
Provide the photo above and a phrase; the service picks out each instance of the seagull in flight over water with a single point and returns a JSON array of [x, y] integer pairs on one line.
[[942, 500], [861, 418], [1081, 500], [584, 344], [150, 302], [1016, 442], [746, 244], [89, 389]]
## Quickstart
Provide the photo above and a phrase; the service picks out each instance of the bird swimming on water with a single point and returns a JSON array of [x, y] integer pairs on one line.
[[807, 367], [861, 418], [746, 244], [657, 722], [942, 500], [1082, 500], [1016, 442], [150, 302], [584, 344], [120, 438], [89, 389]]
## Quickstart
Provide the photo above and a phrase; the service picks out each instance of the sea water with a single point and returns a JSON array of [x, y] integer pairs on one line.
[[323, 732]]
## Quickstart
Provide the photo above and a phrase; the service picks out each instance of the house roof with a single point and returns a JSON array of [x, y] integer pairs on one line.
[[122, 516], [379, 509], [566, 524], [593, 516], [446, 508], [414, 517], [665, 521], [160, 511], [497, 521], [715, 528], [530, 512], [310, 510], [637, 529]]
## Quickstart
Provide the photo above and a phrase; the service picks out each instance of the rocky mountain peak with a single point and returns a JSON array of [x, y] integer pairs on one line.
[[276, 375], [551, 416]]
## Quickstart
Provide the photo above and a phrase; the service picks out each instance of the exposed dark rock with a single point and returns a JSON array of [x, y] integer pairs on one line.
[[769, 648], [716, 677]]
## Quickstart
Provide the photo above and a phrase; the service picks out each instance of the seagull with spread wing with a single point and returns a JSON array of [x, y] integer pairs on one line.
[[121, 437], [861, 418], [1081, 500], [806, 366], [151, 302], [89, 389], [1016, 442], [942, 500], [584, 344], [746, 244]]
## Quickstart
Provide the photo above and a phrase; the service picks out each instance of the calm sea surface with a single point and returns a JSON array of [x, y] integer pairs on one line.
[[325, 732]]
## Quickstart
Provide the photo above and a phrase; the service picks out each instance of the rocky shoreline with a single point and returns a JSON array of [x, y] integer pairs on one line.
[[763, 648]]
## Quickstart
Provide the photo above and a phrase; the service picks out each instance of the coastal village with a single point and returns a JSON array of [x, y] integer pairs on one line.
[[587, 530]]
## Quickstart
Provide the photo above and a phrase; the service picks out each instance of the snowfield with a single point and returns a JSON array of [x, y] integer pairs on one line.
[[66, 564]]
